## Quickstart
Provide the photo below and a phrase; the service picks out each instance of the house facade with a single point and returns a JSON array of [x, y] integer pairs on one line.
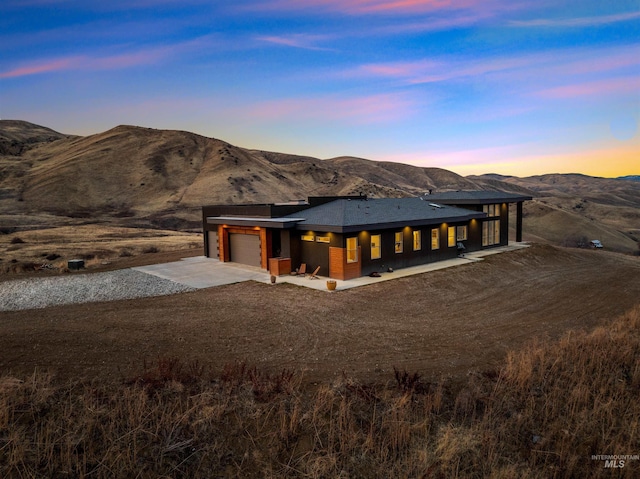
[[349, 237]]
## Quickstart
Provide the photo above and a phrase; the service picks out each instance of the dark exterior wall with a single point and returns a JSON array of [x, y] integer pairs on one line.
[[474, 241], [312, 253], [390, 259]]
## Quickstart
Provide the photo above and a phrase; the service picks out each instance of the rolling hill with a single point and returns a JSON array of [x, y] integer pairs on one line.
[[142, 177], [133, 172], [571, 209]]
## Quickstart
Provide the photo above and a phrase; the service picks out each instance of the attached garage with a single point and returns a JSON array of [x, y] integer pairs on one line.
[[212, 242], [245, 249]]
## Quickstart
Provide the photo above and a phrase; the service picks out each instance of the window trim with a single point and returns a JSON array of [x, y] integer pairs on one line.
[[461, 233], [451, 236], [353, 250], [435, 239], [378, 248], [417, 240], [398, 245]]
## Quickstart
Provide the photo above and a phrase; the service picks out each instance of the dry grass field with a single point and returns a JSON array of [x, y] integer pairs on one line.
[[475, 371], [48, 249], [523, 365]]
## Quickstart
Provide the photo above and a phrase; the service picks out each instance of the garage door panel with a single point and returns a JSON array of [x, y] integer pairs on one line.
[[245, 249]]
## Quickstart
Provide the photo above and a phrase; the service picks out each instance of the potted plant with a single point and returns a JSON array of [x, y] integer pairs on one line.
[[331, 284]]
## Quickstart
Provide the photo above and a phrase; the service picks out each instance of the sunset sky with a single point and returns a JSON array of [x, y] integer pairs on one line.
[[474, 86]]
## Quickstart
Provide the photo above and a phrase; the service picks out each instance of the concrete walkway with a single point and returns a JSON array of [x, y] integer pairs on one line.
[[202, 272]]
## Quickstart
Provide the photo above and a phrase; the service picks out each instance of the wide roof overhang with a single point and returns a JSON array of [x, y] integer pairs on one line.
[[261, 221], [303, 226]]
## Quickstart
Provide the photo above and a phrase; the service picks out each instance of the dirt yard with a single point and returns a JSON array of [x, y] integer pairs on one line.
[[442, 323]]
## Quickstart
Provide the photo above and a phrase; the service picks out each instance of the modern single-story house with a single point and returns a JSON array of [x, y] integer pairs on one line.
[[353, 236]]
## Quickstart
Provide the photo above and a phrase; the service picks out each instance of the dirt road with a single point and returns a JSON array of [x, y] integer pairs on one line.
[[445, 322]]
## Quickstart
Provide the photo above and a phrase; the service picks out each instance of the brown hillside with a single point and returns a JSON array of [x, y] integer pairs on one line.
[[572, 209], [133, 172], [142, 177]]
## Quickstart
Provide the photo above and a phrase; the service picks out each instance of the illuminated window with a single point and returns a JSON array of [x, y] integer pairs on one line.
[[323, 239], [375, 247], [352, 250], [491, 210], [435, 239], [461, 233], [451, 236], [398, 242], [417, 240], [307, 237], [490, 232]]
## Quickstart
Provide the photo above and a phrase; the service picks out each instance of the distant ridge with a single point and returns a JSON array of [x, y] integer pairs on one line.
[[630, 177], [140, 173], [142, 177]]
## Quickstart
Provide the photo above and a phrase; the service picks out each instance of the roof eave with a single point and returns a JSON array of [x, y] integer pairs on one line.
[[389, 225]]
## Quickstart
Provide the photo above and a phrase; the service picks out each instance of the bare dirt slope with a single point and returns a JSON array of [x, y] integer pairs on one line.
[[446, 322]]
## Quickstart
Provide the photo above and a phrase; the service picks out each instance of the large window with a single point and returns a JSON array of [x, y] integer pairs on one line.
[[491, 210], [451, 236], [375, 247], [491, 232], [398, 242], [435, 239], [417, 240], [461, 233], [352, 250]]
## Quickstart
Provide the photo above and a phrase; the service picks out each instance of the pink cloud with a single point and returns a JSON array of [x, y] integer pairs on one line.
[[551, 65], [431, 71], [106, 62], [356, 7], [42, 67], [361, 110], [601, 87], [296, 41], [577, 22]]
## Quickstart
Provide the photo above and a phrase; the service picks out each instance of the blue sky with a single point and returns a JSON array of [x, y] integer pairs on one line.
[[492, 86]]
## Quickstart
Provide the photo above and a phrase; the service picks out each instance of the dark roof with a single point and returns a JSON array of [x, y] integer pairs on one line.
[[476, 197], [344, 216]]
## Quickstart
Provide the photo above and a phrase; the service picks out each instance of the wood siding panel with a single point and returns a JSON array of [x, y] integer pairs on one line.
[[338, 266]]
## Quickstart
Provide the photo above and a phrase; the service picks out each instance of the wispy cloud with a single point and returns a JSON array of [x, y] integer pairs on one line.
[[601, 87], [359, 7], [578, 21], [112, 62], [301, 40], [380, 108], [142, 57], [44, 66], [438, 70], [554, 66]]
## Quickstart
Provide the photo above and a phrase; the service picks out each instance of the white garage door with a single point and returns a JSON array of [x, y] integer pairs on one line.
[[244, 249], [213, 244]]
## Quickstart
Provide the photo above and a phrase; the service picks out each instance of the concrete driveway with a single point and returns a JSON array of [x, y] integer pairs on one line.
[[203, 272]]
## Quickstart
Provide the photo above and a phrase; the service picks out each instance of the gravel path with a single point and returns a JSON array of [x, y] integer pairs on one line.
[[84, 288]]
